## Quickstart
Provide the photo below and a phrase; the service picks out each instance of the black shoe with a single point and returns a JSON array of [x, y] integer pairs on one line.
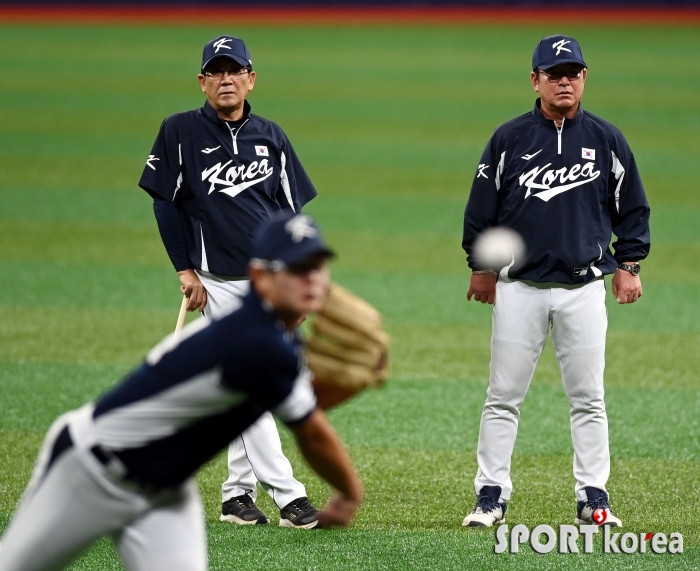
[[299, 514], [243, 511], [597, 500], [488, 510]]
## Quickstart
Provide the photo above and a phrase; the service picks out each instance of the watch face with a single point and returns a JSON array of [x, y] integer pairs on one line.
[[631, 268]]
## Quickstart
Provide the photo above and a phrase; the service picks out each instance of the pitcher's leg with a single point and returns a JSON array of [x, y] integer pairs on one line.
[[168, 537], [70, 507]]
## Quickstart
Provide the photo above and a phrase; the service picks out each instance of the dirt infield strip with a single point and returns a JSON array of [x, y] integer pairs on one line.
[[345, 16]]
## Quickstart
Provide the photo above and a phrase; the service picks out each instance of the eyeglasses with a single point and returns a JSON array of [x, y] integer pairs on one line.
[[218, 73], [556, 75]]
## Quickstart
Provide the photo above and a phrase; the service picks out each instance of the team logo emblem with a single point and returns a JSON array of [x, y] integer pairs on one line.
[[248, 175], [300, 227], [560, 46], [261, 151], [588, 154], [221, 44], [151, 158], [482, 168], [542, 181], [528, 157]]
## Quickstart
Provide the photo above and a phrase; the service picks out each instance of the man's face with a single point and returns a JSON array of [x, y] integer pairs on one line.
[[559, 87], [226, 83], [298, 290]]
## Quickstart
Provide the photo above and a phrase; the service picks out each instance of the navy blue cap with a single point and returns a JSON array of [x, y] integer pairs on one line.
[[286, 241], [226, 46], [555, 50]]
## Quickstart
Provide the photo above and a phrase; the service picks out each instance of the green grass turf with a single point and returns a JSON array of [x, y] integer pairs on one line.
[[390, 123]]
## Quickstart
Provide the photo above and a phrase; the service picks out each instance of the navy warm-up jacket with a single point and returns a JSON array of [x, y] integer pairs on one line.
[[215, 181], [565, 191]]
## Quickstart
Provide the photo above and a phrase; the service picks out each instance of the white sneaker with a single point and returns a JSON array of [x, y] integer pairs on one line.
[[596, 510], [488, 510]]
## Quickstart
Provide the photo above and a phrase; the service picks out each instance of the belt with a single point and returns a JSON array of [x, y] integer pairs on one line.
[[555, 285], [223, 278], [115, 467]]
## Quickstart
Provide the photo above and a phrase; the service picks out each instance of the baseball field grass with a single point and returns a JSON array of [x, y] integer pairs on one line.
[[390, 123]]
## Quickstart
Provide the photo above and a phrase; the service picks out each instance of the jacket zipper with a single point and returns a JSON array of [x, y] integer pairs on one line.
[[234, 137], [559, 130]]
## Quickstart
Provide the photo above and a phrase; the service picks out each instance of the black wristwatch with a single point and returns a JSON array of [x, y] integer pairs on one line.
[[633, 269]]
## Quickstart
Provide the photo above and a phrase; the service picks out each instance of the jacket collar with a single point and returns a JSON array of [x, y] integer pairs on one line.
[[210, 114], [540, 118]]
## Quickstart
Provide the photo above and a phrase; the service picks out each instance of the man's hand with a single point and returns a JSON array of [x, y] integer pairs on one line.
[[338, 512], [193, 289], [325, 453], [483, 287], [626, 288]]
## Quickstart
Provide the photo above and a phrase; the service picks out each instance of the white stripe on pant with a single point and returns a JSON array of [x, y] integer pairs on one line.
[[522, 316]]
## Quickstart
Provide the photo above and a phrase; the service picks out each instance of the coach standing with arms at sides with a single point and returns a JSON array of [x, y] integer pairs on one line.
[[565, 180], [215, 174]]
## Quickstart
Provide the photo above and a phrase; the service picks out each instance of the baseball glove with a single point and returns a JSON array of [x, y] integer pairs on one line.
[[348, 349]]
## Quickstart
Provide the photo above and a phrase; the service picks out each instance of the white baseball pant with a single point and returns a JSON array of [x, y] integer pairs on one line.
[[522, 316], [77, 500], [256, 455]]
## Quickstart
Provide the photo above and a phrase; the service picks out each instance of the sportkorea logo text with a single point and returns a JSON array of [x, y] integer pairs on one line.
[[567, 539]]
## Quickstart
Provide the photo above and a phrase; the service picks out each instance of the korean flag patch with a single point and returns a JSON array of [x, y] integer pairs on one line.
[[588, 153], [261, 150]]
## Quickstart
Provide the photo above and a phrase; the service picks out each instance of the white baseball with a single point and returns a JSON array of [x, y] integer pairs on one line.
[[498, 247]]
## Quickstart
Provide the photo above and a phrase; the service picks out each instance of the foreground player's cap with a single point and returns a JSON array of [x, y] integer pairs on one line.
[[287, 241], [226, 46], [555, 50]]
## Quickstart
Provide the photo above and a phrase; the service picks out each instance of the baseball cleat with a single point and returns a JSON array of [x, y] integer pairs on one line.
[[299, 514], [488, 510], [243, 511], [596, 510]]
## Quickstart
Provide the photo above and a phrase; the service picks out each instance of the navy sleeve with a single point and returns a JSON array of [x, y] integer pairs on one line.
[[482, 207], [297, 188], [628, 206], [171, 233], [162, 176], [263, 366]]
